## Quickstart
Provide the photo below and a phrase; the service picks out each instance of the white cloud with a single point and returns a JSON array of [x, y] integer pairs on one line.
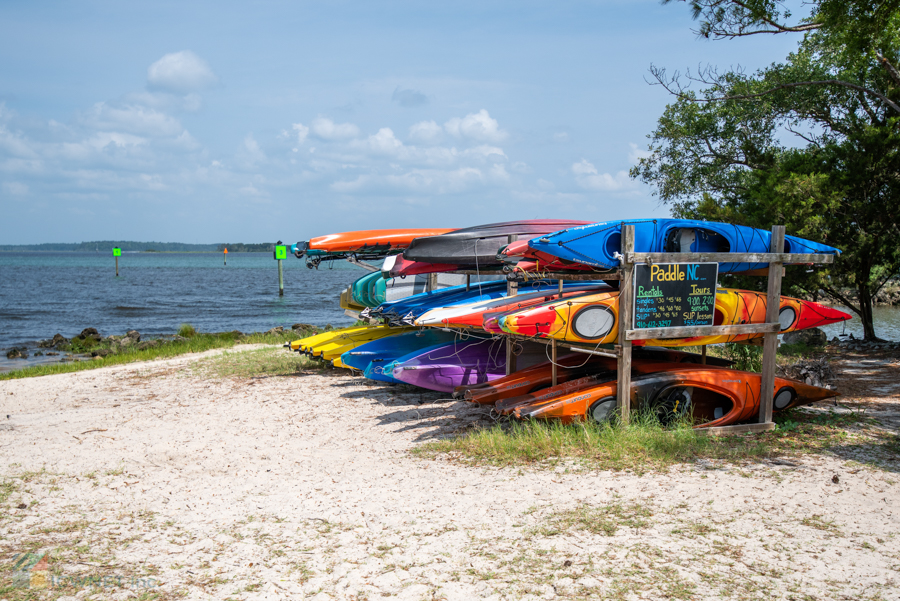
[[181, 72], [636, 153], [426, 132], [326, 129], [134, 119], [251, 152], [302, 132], [476, 126], [589, 178], [384, 142]]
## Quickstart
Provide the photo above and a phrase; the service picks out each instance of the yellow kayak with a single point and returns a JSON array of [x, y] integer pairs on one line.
[[304, 343], [326, 349]]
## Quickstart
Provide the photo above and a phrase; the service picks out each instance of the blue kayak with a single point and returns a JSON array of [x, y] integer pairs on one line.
[[598, 243], [390, 347], [485, 294], [401, 307]]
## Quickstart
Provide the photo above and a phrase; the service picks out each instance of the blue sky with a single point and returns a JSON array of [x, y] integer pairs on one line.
[[215, 121]]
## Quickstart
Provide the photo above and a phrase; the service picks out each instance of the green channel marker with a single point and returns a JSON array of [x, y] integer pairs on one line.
[[117, 252], [280, 255]]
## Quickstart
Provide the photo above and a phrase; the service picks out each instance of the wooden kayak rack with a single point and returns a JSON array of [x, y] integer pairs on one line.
[[622, 352], [776, 259]]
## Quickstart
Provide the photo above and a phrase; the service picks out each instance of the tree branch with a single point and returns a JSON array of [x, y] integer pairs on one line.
[[840, 297], [798, 84], [891, 69]]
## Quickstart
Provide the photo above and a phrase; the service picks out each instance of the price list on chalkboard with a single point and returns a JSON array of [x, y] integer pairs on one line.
[[671, 295]]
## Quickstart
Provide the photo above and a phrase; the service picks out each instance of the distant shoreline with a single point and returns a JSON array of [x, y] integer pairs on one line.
[[136, 246]]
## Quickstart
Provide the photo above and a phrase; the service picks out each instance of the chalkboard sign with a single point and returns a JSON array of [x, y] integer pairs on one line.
[[671, 295]]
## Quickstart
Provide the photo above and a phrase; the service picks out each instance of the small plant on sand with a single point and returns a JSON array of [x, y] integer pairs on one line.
[[604, 519], [186, 330]]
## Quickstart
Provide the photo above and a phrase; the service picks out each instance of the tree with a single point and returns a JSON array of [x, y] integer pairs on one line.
[[812, 142]]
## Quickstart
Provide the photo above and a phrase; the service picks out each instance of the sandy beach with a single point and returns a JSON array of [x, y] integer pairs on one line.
[[153, 479]]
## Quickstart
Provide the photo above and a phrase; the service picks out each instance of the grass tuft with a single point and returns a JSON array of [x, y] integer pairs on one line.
[[644, 445], [603, 519], [186, 330], [254, 364]]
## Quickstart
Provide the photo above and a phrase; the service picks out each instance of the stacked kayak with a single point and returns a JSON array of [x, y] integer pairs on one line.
[[593, 319], [440, 315]]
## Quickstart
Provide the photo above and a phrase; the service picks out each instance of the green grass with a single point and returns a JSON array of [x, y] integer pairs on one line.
[[165, 350], [186, 330], [602, 519], [254, 364], [645, 445]]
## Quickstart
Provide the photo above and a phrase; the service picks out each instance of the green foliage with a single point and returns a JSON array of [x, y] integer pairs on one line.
[[186, 330], [812, 142], [746, 357]]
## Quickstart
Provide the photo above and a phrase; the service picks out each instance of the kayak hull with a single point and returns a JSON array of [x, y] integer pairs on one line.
[[594, 319], [596, 244]]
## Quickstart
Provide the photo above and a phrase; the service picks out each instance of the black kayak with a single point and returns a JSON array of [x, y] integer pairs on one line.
[[479, 245]]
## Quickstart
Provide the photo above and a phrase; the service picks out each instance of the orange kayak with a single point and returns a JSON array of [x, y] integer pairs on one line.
[[592, 319], [711, 396], [570, 367], [371, 239]]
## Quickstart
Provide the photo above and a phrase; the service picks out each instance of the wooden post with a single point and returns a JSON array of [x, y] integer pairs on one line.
[[117, 266], [703, 355], [512, 289], [626, 312], [468, 281], [430, 282], [280, 279], [225, 257], [553, 350], [116, 253], [553, 376], [770, 340]]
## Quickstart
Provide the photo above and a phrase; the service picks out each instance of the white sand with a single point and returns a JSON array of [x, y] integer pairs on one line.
[[303, 487]]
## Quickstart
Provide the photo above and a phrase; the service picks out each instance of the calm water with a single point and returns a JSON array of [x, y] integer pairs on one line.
[[45, 293]]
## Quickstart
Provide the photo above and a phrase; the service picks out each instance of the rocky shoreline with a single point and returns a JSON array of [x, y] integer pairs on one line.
[[90, 344]]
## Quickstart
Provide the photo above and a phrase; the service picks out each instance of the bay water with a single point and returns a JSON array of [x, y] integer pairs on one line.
[[44, 293]]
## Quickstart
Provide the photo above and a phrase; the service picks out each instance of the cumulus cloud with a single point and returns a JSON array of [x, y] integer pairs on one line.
[[302, 132], [133, 119], [326, 129], [384, 142], [426, 132], [476, 126], [181, 72], [589, 178], [636, 153], [409, 98]]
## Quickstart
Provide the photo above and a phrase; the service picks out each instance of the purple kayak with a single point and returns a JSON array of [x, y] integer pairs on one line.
[[464, 362]]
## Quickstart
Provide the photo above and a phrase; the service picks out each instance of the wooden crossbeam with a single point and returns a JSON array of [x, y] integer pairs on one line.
[[636, 257], [692, 331]]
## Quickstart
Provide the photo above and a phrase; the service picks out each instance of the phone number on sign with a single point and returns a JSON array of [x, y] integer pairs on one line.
[[654, 324]]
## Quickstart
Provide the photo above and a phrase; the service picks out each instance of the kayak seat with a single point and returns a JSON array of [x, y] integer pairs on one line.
[[684, 239]]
